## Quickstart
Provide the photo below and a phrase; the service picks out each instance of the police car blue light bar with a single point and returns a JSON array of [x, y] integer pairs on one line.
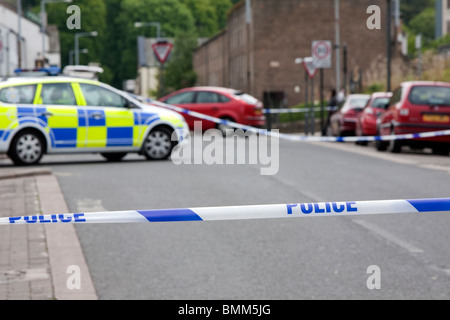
[[270, 211], [50, 71], [292, 137]]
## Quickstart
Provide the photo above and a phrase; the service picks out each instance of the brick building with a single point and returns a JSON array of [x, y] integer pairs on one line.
[[258, 57]]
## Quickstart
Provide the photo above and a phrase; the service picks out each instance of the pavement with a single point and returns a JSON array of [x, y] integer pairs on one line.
[[39, 261]]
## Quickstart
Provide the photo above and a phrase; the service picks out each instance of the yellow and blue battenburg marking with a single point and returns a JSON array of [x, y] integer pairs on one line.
[[80, 127]]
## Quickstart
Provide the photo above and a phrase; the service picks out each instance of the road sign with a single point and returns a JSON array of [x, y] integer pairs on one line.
[[308, 64], [162, 50], [321, 54]]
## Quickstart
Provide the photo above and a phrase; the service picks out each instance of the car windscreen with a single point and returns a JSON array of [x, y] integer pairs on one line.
[[358, 102], [430, 95], [380, 102], [246, 97]]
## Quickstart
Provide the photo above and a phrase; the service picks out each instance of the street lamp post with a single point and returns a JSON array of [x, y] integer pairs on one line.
[[77, 37], [150, 24], [44, 20], [72, 52]]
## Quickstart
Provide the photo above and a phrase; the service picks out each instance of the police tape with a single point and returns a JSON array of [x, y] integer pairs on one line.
[[297, 110], [269, 211], [304, 138]]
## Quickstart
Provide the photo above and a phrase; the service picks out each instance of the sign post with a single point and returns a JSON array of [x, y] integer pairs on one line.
[[321, 54], [311, 70], [1, 54], [162, 49]]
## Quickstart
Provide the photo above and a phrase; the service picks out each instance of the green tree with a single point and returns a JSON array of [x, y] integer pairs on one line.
[[116, 45], [93, 18], [173, 16], [205, 16], [222, 7], [179, 72], [411, 8], [423, 23]]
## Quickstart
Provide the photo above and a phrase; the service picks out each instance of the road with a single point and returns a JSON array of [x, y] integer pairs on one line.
[[311, 258]]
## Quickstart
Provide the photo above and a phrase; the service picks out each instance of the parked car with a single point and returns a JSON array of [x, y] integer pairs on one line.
[[366, 124], [343, 121], [218, 102], [70, 115], [417, 106]]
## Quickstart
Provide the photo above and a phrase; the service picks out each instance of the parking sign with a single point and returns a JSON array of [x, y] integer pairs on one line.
[[321, 54]]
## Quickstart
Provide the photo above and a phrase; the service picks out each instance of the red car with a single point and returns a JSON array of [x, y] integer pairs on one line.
[[343, 121], [218, 102], [417, 106], [366, 125]]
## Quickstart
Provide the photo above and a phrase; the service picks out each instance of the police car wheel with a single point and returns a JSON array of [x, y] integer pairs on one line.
[[27, 148], [158, 144]]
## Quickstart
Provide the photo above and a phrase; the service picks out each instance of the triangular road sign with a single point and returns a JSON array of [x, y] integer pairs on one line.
[[310, 67], [162, 50]]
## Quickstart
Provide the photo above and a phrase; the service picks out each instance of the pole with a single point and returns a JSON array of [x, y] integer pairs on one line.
[[388, 45], [306, 102], [77, 56], [311, 110], [345, 69], [19, 29], [43, 23], [322, 129], [337, 46], [419, 55], [162, 89]]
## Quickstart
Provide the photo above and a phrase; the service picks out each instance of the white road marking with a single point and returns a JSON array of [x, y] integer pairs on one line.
[[388, 236], [90, 205]]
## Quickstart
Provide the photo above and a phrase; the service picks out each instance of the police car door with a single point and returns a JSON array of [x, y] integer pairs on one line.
[[110, 121], [59, 111]]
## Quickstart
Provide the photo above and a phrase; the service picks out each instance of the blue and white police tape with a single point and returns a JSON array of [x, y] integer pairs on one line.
[[289, 210], [296, 110], [293, 137]]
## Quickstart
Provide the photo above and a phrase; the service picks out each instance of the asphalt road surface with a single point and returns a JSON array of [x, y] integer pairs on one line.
[[307, 258]]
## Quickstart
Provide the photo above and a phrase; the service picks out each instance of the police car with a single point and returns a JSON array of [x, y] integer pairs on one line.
[[49, 115]]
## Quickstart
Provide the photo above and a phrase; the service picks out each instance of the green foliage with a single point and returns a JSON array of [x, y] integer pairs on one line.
[[93, 18], [179, 71], [173, 16], [205, 16], [184, 20], [423, 23], [411, 8], [115, 48], [375, 87]]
